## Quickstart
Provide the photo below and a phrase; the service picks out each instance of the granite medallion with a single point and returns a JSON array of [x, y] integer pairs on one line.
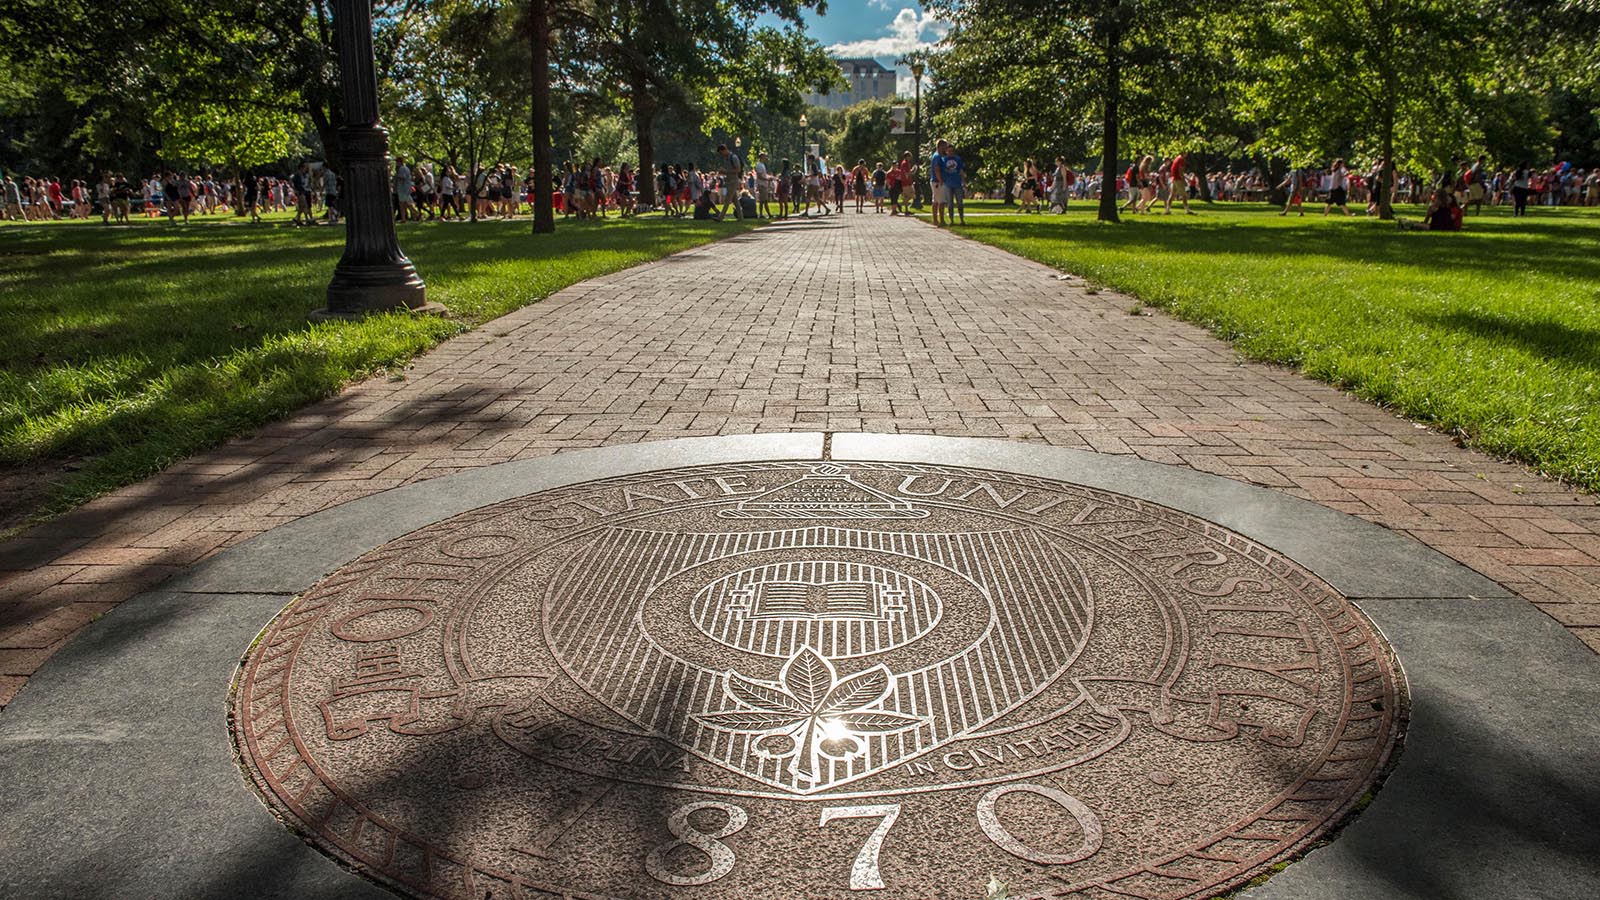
[[818, 679]]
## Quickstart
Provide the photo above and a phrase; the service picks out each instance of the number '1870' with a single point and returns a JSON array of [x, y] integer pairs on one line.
[[864, 873]]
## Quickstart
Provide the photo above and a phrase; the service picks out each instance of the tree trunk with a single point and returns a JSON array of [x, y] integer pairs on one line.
[[1386, 190], [544, 216], [1199, 169], [328, 134], [1109, 195], [472, 170], [644, 123]]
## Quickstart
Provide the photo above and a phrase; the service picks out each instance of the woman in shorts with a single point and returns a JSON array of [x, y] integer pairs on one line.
[[814, 184], [1030, 187], [859, 175], [1147, 183], [783, 188]]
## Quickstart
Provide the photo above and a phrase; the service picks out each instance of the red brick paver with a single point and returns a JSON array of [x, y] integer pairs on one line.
[[862, 324]]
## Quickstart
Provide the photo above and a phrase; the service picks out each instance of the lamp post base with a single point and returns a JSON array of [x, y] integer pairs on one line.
[[361, 290]]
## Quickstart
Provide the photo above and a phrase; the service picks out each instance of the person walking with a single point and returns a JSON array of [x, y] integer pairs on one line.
[[1293, 185], [1376, 185], [102, 196], [330, 194], [859, 175], [732, 177], [301, 182], [814, 185], [1477, 176], [185, 195], [946, 170], [13, 198], [406, 208], [1521, 184], [121, 198], [764, 188], [1030, 187], [1338, 188], [1178, 172], [1061, 185]]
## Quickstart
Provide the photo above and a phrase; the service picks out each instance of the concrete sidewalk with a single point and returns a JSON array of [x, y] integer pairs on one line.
[[858, 323]]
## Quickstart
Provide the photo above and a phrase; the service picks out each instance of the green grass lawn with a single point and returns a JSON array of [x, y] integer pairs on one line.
[[125, 349], [1492, 333]]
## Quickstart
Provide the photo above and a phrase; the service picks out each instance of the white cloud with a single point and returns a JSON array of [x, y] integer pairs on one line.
[[910, 30], [878, 4]]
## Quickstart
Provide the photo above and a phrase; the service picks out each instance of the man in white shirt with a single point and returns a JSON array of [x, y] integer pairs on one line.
[[447, 195]]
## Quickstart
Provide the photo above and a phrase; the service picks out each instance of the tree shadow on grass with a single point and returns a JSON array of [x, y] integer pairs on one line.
[[1550, 250], [207, 280], [1544, 337], [210, 308]]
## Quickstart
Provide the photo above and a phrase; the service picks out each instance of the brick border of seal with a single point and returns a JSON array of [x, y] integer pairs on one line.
[[117, 774]]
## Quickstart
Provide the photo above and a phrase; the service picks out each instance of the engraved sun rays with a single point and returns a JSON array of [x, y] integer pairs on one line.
[[810, 712]]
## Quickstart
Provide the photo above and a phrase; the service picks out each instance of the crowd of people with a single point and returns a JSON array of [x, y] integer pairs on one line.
[[729, 187], [815, 185], [1150, 185], [812, 185], [116, 198]]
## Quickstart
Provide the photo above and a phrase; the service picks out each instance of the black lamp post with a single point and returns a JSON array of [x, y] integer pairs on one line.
[[916, 75], [805, 146], [373, 275]]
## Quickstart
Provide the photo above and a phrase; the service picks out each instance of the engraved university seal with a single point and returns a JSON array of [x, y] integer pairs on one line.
[[817, 679]]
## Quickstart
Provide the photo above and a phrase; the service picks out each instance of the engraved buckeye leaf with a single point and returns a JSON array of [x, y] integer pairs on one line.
[[810, 703]]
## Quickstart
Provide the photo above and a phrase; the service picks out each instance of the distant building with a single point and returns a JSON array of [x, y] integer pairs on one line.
[[867, 78]]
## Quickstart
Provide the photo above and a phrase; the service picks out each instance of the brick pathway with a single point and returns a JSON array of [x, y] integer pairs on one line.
[[862, 324]]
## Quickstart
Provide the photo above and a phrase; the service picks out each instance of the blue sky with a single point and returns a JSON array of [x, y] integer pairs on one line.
[[883, 29]]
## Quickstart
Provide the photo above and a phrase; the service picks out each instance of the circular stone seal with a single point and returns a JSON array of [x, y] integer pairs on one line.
[[795, 679]]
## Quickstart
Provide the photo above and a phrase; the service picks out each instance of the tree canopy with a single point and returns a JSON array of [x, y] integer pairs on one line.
[[220, 84], [227, 85], [1413, 82]]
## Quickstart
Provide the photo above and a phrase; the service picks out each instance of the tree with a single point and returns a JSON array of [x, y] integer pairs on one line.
[[656, 54], [862, 132], [456, 91], [544, 219], [201, 63], [1017, 90], [240, 136], [1332, 76]]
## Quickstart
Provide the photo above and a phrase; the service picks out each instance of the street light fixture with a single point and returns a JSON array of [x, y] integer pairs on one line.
[[373, 275], [805, 145]]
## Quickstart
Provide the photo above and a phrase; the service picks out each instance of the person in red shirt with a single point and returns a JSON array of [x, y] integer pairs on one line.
[[53, 194], [899, 177], [1178, 184]]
